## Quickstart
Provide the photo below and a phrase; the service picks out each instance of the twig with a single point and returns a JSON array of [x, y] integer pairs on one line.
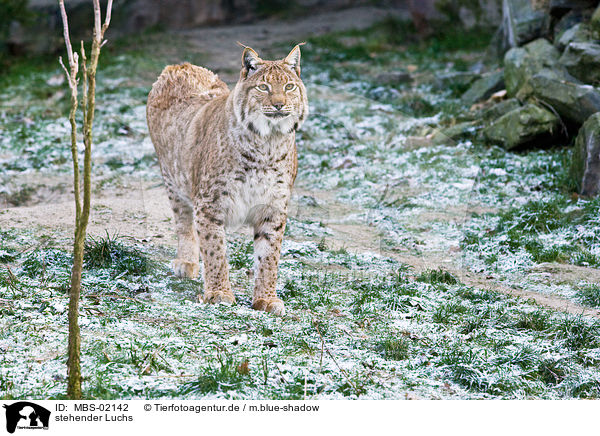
[[97, 21], [85, 81], [316, 325], [107, 19], [305, 385], [152, 357], [93, 311], [280, 373], [123, 297], [172, 375], [322, 350], [73, 61]]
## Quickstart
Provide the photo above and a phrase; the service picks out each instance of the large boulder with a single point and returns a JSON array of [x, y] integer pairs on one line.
[[484, 87], [499, 109], [585, 167], [522, 63], [521, 22], [521, 126], [582, 61], [571, 99]]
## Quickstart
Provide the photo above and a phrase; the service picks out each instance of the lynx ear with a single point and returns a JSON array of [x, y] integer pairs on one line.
[[250, 61], [293, 59]]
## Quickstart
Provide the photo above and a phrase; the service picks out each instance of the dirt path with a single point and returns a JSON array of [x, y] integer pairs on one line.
[[144, 215], [224, 54], [142, 211]]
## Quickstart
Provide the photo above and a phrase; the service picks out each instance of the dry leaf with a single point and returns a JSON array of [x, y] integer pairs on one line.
[[243, 368]]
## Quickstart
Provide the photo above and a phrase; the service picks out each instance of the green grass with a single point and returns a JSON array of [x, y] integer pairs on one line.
[[479, 342], [41, 263], [109, 252], [394, 348], [448, 313], [226, 375], [538, 321], [376, 298], [519, 228], [380, 42], [589, 295], [437, 276], [241, 254], [389, 331], [461, 367], [578, 333], [478, 295]]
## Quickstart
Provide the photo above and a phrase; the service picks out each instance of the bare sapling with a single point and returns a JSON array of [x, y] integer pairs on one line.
[[82, 199]]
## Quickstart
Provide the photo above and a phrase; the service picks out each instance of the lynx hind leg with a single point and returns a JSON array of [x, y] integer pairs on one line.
[[268, 236], [217, 288], [186, 264]]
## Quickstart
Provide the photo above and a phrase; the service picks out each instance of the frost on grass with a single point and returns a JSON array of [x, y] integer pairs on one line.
[[372, 330], [359, 324]]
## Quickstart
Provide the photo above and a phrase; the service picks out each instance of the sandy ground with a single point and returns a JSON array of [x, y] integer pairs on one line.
[[142, 211]]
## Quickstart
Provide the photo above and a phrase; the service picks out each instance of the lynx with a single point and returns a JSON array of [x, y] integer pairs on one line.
[[229, 159]]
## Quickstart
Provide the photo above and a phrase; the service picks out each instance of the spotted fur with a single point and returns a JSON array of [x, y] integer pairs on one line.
[[229, 159]]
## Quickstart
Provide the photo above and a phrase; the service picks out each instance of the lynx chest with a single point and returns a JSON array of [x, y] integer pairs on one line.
[[255, 193]]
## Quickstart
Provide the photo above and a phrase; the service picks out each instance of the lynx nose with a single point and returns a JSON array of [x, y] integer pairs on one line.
[[278, 106]]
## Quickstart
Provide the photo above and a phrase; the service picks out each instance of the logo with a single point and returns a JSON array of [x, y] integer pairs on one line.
[[26, 415]]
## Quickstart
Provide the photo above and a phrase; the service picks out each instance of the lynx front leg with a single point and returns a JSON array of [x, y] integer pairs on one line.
[[267, 248], [187, 262], [211, 233]]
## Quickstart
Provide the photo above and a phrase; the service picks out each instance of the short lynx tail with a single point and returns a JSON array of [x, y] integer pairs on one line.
[[179, 83]]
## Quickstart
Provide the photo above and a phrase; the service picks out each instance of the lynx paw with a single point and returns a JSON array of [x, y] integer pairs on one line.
[[183, 268], [275, 306], [216, 297]]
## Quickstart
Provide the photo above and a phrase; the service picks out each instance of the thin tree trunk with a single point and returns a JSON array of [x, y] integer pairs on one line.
[[82, 211]]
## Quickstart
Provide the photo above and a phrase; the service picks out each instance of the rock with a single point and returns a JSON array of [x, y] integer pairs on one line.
[[521, 63], [499, 109], [521, 126], [484, 87], [451, 135], [456, 80], [527, 89], [595, 20], [578, 33], [585, 167], [582, 61], [522, 23], [393, 78], [572, 18], [573, 100]]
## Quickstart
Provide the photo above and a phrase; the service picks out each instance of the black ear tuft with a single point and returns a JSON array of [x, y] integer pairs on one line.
[[250, 61], [293, 59]]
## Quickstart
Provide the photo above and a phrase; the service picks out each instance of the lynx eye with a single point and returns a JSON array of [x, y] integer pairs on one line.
[[289, 86], [263, 87]]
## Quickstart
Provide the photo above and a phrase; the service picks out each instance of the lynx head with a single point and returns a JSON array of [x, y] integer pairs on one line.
[[270, 97]]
